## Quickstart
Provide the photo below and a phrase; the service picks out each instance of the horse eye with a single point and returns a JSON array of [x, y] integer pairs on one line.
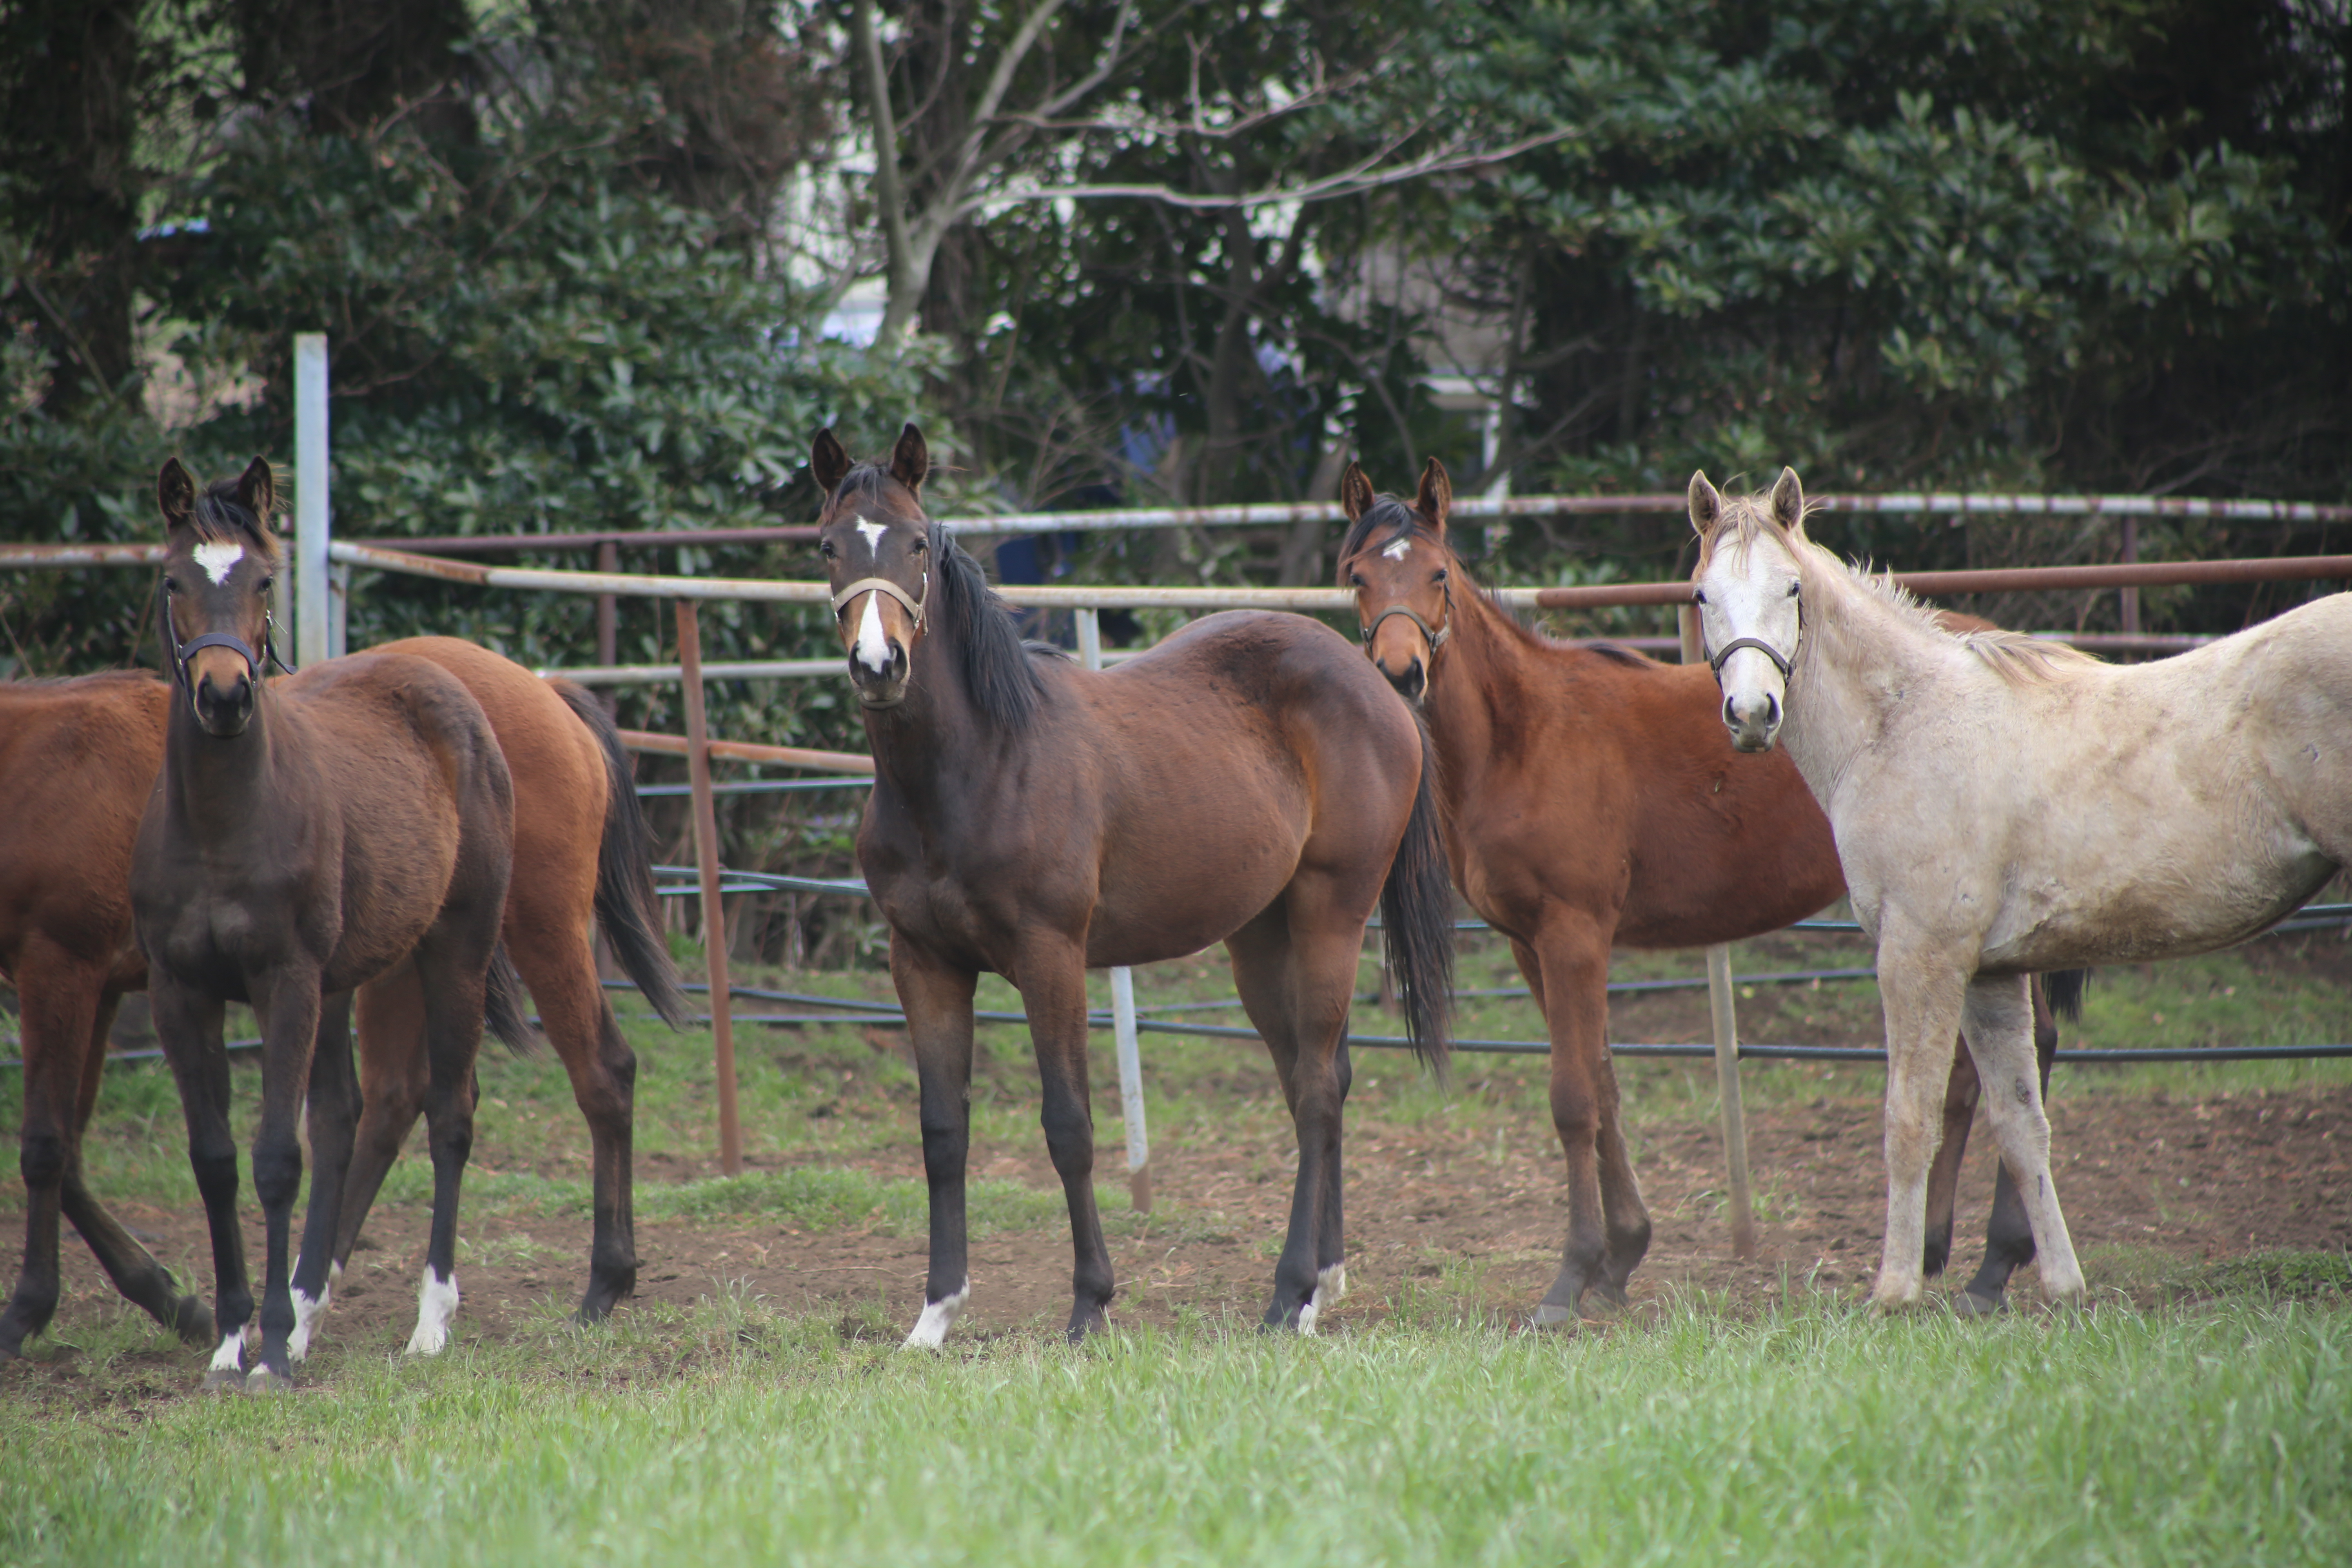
[[170, 585], [1697, 597], [1355, 579], [825, 549], [1792, 589], [1440, 575]]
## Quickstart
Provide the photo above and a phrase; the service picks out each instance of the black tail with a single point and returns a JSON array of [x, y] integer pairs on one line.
[[1417, 908], [504, 1009], [627, 910], [2064, 989]]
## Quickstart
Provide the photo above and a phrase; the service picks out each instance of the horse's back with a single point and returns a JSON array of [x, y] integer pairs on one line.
[[78, 761]]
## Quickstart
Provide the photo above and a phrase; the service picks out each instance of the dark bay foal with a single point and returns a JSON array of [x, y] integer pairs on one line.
[[306, 837], [1248, 780]]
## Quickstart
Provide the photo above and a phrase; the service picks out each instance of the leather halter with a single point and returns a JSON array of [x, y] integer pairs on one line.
[[1715, 662], [883, 586], [1436, 634], [183, 651]]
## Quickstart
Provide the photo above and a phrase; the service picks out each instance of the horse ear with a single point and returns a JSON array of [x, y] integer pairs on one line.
[[1436, 497], [828, 463], [257, 490], [1706, 504], [1788, 501], [176, 493], [910, 459], [1355, 492]]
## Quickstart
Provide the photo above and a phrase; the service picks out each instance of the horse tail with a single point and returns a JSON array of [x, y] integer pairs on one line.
[[628, 911], [504, 1011], [1417, 910], [2064, 987]]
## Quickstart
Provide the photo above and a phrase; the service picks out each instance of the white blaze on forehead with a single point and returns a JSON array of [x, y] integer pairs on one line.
[[218, 559], [873, 532], [1397, 551], [872, 647]]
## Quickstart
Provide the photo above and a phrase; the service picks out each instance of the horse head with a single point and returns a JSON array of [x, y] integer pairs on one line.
[[877, 545], [1752, 608], [1396, 561], [220, 562]]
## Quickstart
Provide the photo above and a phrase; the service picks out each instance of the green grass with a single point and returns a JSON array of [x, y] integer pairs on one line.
[[726, 1434]]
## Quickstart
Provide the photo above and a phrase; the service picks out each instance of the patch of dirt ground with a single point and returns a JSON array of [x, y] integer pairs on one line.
[[1475, 1215]]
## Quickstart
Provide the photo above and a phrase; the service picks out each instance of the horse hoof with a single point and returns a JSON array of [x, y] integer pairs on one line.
[[192, 1322], [225, 1380], [1969, 1304], [1552, 1315], [262, 1380]]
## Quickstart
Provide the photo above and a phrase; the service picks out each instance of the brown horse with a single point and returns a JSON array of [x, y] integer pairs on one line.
[[79, 757], [1588, 798], [1249, 780], [305, 838], [77, 760]]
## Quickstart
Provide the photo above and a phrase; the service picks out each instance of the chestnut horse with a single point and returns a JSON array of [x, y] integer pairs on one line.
[[1590, 799], [306, 837], [1249, 780], [80, 759]]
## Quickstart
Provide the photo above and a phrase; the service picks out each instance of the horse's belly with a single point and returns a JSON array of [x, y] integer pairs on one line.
[[2143, 921]]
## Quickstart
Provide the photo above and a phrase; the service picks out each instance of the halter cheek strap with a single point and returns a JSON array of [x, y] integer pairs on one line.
[[183, 651], [883, 586]]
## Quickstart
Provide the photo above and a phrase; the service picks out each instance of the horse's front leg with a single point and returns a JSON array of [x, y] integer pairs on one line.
[[938, 1000], [1052, 973], [1999, 1021], [334, 1111], [188, 1028], [288, 1006], [1923, 993], [1608, 1225]]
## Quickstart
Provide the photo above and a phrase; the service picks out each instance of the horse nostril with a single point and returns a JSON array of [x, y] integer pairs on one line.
[[1729, 716], [1772, 711]]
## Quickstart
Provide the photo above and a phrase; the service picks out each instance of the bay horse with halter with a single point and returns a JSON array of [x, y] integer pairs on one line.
[[1588, 800], [306, 837], [78, 759], [2003, 805], [1249, 780]]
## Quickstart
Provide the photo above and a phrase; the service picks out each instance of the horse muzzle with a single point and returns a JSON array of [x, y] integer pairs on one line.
[[1753, 719], [884, 688], [1411, 683], [221, 690]]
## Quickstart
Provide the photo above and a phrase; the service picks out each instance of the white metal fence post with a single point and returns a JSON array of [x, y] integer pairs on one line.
[[1727, 1036], [1122, 1002], [312, 614]]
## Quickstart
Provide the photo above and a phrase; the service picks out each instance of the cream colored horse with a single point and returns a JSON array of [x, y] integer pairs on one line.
[[2003, 805]]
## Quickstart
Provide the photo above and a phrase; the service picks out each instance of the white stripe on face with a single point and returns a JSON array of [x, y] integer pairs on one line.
[[218, 559], [873, 532], [1398, 551], [872, 647]]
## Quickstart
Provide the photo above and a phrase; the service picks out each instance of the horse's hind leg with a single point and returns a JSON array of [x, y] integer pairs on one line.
[[2008, 1232], [143, 1281], [938, 1000], [393, 1077], [1944, 1176], [333, 1116], [452, 968], [188, 1025], [555, 962], [1295, 967], [1999, 1028]]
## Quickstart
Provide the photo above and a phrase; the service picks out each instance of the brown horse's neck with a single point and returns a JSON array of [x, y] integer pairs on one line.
[[1474, 688], [216, 788], [929, 748]]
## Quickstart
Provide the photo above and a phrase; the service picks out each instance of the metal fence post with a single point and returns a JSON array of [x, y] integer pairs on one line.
[[1122, 1002], [1726, 1035], [714, 913], [311, 611]]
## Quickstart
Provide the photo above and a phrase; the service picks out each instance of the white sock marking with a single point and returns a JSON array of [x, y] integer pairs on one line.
[[1330, 1285], [873, 532], [307, 1313], [230, 1356], [873, 648], [938, 1316], [1398, 551], [436, 1303], [218, 559]]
